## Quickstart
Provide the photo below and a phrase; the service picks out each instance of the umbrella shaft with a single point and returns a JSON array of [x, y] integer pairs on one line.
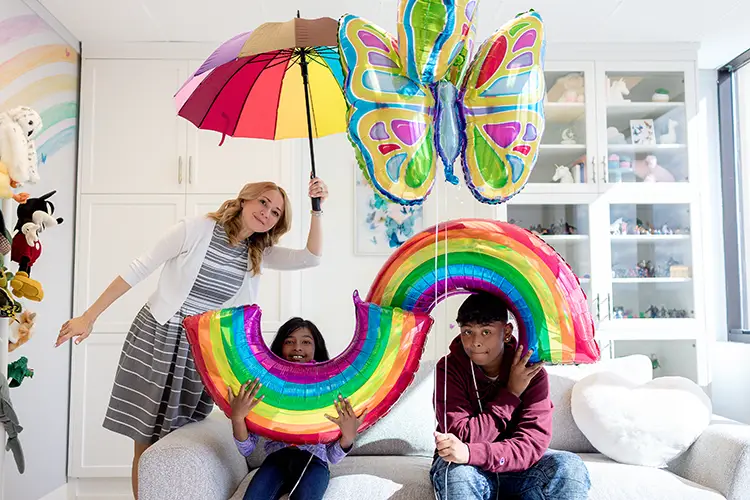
[[306, 85]]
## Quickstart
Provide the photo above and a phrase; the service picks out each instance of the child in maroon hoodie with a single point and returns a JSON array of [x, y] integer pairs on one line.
[[495, 417]]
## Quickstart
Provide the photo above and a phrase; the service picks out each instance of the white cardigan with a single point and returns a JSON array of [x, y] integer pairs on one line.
[[182, 251]]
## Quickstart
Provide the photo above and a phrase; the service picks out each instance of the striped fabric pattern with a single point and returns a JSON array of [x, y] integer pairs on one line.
[[157, 388]]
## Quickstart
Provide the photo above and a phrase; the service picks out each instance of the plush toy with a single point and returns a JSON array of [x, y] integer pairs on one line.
[[18, 127], [9, 307], [9, 420], [34, 216], [19, 370], [4, 238], [573, 84], [21, 330], [649, 170]]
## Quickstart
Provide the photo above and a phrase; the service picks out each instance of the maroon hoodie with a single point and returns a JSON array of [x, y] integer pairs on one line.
[[509, 434]]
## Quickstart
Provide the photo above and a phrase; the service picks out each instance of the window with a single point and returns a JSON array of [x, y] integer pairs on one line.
[[734, 131]]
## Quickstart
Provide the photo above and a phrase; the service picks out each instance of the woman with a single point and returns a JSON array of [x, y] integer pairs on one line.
[[210, 262]]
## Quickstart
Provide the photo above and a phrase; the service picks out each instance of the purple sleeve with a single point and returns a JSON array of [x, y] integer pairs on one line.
[[335, 452], [246, 447]]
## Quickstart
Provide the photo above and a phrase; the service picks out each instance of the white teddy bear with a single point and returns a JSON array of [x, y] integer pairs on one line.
[[18, 128]]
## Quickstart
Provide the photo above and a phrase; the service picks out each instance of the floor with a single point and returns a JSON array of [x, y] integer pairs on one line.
[[93, 489]]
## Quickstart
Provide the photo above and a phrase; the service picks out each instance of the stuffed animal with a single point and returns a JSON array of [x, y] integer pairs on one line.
[[4, 239], [34, 216], [9, 307], [7, 185], [573, 84], [19, 370], [649, 170], [21, 330], [9, 420], [18, 127]]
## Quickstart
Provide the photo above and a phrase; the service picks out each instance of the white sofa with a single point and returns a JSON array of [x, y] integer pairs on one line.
[[393, 458]]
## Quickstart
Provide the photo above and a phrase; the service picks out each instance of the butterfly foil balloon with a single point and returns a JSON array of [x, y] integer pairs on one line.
[[423, 96]]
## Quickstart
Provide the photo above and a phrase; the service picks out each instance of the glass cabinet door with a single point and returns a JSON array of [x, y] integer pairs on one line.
[[565, 227], [651, 259], [646, 127], [569, 113]]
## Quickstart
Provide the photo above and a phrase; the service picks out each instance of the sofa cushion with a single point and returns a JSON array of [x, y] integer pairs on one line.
[[407, 478], [407, 429], [611, 480], [373, 478]]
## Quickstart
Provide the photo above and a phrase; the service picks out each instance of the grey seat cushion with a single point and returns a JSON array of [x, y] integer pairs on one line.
[[407, 478], [614, 481], [373, 478]]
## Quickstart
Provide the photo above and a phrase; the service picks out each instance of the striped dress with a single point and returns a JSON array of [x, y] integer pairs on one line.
[[157, 387]]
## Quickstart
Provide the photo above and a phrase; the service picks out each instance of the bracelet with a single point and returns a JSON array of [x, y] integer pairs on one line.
[[316, 213]]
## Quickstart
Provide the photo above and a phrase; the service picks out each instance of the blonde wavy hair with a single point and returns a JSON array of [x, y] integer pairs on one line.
[[229, 215]]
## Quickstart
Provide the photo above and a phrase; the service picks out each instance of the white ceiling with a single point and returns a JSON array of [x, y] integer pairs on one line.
[[719, 25]]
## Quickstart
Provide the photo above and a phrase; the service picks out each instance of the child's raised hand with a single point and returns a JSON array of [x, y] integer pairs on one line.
[[245, 401], [451, 449], [520, 374], [347, 421]]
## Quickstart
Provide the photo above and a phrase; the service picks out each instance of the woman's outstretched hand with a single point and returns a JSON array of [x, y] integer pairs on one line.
[[78, 328]]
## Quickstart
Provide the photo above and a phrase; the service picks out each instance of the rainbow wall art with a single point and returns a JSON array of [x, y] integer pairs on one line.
[[39, 70]]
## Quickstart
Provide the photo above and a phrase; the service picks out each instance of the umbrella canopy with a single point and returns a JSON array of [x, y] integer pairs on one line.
[[250, 86]]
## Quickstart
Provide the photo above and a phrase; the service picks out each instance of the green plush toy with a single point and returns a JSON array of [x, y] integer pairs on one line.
[[9, 307], [19, 370]]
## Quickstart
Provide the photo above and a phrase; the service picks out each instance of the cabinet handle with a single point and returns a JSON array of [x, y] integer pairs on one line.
[[190, 169], [179, 170], [605, 170], [593, 171]]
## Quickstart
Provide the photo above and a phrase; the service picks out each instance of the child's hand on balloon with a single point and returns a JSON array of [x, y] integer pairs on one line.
[[347, 421], [245, 401]]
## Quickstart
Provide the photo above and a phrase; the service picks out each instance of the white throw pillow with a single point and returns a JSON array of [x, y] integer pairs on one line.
[[648, 424]]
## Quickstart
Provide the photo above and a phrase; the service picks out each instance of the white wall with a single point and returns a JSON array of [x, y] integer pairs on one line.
[[42, 402]]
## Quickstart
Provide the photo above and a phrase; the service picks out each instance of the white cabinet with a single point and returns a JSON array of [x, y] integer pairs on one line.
[[133, 142], [628, 223], [143, 168], [94, 450], [112, 231]]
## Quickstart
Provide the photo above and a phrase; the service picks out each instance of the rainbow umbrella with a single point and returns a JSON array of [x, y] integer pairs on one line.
[[280, 81]]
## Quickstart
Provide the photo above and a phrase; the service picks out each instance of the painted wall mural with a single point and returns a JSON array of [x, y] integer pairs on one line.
[[39, 71]]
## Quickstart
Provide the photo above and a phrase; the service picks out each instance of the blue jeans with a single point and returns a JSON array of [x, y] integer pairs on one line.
[[558, 475], [280, 471]]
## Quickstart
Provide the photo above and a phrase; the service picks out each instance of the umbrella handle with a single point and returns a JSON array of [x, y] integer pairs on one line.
[[316, 204]]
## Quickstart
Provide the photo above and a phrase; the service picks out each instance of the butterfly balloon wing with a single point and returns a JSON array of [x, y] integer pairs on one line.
[[390, 117], [502, 109]]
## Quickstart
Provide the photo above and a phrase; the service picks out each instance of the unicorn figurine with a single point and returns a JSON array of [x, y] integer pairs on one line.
[[563, 175], [616, 90]]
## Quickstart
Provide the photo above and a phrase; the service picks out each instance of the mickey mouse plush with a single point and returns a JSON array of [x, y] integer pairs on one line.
[[34, 216]]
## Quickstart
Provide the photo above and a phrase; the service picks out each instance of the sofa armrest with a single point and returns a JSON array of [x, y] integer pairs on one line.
[[197, 461], [719, 459]]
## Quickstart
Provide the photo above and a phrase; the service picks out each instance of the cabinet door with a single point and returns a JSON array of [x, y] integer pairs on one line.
[[94, 450], [132, 140], [214, 169], [275, 297], [644, 112], [569, 133], [113, 230]]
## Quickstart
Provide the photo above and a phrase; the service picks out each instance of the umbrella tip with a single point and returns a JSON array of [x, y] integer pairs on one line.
[[298, 13]]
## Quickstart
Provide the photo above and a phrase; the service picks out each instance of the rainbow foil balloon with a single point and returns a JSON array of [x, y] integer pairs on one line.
[[372, 372], [379, 364], [422, 95], [497, 257]]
